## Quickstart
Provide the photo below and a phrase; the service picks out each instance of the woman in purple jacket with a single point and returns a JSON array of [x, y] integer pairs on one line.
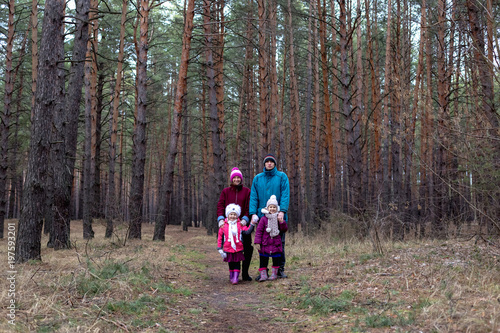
[[238, 194], [268, 238]]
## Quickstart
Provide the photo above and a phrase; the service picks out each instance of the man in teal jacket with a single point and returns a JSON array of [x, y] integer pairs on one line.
[[269, 182]]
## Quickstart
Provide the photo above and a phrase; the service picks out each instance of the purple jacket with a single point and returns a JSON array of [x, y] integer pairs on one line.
[[239, 195], [269, 245]]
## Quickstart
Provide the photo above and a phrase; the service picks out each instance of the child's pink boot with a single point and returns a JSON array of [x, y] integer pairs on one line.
[[231, 273], [263, 274], [274, 273], [236, 275]]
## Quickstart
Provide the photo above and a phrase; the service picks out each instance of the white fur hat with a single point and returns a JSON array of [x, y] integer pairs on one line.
[[272, 201], [233, 208]]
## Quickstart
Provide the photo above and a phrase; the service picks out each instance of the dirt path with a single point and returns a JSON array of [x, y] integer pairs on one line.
[[244, 307]]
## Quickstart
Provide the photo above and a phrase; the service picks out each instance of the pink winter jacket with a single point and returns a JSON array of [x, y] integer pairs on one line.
[[223, 237]]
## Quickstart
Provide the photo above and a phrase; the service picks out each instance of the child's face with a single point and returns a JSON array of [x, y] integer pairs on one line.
[[272, 209], [232, 216]]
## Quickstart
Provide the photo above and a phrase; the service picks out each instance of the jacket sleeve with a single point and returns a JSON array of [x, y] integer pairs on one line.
[[244, 210], [285, 193], [283, 226], [259, 232], [220, 236], [254, 198], [247, 230], [221, 205]]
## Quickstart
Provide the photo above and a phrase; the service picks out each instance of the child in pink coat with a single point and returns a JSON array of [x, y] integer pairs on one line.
[[268, 238], [229, 243]]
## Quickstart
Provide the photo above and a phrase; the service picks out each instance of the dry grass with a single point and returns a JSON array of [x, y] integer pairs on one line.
[[334, 286], [429, 286]]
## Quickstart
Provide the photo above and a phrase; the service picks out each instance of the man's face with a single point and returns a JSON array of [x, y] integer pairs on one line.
[[269, 165]]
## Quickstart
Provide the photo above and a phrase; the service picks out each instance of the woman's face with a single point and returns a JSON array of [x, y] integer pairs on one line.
[[272, 209], [236, 180]]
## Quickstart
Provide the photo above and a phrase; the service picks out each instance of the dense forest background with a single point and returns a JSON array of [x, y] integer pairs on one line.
[[134, 112]]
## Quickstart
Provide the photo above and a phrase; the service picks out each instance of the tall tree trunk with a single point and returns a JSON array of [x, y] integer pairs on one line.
[[335, 200], [356, 152], [296, 137], [96, 184], [376, 170], [48, 95], [165, 202], [34, 52], [244, 137], [5, 117], [309, 226], [16, 179], [440, 186], [112, 202], [330, 166], [263, 76], [88, 202], [185, 211], [273, 78], [486, 76], [74, 92], [386, 183], [411, 193], [319, 144], [60, 202], [139, 138]]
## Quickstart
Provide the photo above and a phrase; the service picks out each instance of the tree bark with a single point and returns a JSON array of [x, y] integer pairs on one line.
[[165, 204], [263, 77], [5, 117], [34, 52], [112, 202], [88, 203], [139, 138], [296, 137], [28, 243], [330, 166]]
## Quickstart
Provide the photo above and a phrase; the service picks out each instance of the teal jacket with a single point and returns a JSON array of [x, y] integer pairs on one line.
[[266, 184]]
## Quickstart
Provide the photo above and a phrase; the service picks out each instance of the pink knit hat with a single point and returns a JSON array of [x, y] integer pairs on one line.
[[236, 172]]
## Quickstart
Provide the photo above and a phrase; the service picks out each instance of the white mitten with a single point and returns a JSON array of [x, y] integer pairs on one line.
[[243, 222], [221, 223], [255, 219], [223, 254]]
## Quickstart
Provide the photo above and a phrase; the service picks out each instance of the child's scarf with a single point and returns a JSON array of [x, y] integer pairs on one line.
[[272, 224], [233, 233]]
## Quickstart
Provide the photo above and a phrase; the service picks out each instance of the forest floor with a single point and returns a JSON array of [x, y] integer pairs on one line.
[[182, 285]]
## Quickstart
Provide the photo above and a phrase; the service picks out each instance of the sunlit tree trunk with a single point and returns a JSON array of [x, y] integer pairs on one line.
[[165, 202]]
